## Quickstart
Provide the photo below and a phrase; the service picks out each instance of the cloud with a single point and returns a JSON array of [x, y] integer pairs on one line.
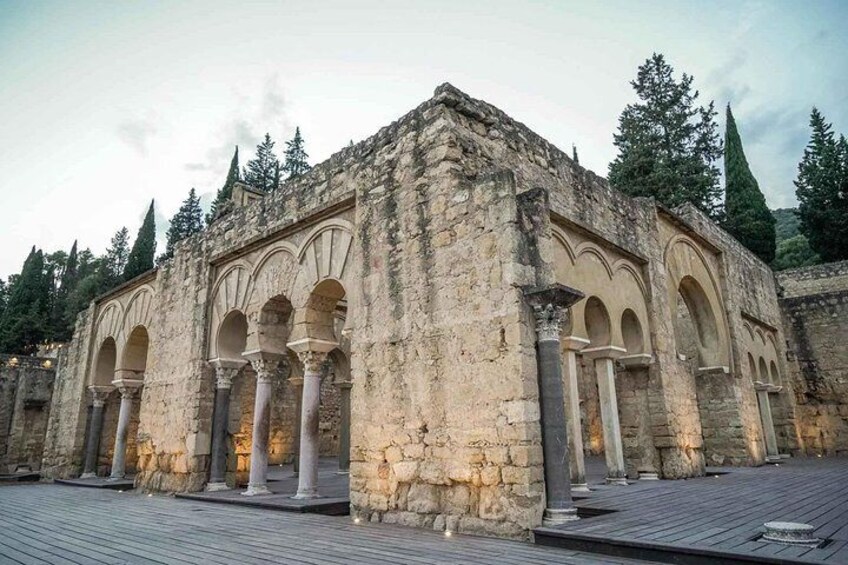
[[136, 133]]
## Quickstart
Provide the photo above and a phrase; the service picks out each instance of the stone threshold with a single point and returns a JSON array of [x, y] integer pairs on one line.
[[98, 482], [281, 502]]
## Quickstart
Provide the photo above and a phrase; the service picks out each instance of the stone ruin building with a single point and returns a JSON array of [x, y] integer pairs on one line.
[[429, 304]]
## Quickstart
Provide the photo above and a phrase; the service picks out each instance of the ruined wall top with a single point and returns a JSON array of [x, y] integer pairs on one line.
[[818, 279]]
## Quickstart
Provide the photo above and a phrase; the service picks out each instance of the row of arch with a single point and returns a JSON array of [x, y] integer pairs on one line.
[[122, 337]]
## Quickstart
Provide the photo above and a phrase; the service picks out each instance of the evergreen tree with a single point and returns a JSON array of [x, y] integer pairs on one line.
[[186, 222], [225, 193], [574, 156], [822, 190], [143, 249], [68, 281], [25, 320], [261, 171], [4, 297], [747, 216], [668, 145], [295, 156], [110, 270], [794, 252]]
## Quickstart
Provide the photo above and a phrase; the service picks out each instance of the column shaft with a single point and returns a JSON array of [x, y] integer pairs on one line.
[[119, 458], [575, 426], [220, 417], [613, 451], [768, 424], [307, 485], [92, 449], [344, 431], [258, 482], [298, 408]]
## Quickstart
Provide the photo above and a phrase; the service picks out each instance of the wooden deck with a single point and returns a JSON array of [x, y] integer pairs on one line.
[[717, 517], [53, 524]]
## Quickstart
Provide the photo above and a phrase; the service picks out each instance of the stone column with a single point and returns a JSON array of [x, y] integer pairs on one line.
[[128, 389], [92, 449], [266, 366], [604, 358], [572, 345], [297, 387], [344, 427], [225, 371], [763, 390], [549, 307]]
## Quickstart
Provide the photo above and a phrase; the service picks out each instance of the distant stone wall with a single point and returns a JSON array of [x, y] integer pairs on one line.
[[815, 312], [26, 388]]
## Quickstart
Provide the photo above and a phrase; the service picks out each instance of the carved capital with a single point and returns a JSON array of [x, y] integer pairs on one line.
[[128, 392], [224, 376], [549, 319], [313, 362], [99, 394], [267, 369]]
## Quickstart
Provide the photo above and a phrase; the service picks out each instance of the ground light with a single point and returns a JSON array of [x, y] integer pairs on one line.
[[448, 533]]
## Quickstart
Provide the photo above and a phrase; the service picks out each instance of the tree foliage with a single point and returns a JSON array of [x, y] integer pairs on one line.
[[794, 252], [667, 144], [822, 191], [26, 318], [143, 250], [263, 171], [747, 216], [295, 156], [186, 222], [225, 193]]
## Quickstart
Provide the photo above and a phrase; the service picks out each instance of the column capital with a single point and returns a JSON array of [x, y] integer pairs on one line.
[[226, 370], [267, 364], [99, 394], [312, 353], [128, 387], [313, 361], [604, 352], [550, 304]]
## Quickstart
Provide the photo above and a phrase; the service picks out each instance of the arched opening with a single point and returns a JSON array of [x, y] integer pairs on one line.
[[774, 373], [752, 366], [104, 368], [597, 322], [326, 298], [232, 336], [631, 332], [696, 329], [135, 352], [764, 372]]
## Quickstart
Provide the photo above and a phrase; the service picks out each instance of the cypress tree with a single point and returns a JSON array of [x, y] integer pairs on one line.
[[111, 267], [574, 156], [144, 248], [225, 193], [667, 144], [261, 171], [67, 284], [747, 216], [295, 156], [25, 321], [186, 222], [822, 191]]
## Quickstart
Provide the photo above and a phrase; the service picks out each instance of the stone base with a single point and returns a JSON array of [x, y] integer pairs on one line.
[[616, 481], [580, 487], [308, 495], [215, 487], [559, 516], [790, 533], [773, 459], [256, 490], [113, 479], [88, 476], [648, 476]]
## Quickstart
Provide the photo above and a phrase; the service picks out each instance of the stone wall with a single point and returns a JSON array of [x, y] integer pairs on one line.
[[814, 301], [26, 388]]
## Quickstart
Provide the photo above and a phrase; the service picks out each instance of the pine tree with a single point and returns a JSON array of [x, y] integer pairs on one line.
[[113, 263], [143, 249], [25, 320], [261, 171], [295, 156], [225, 193], [667, 144], [822, 191], [186, 222], [747, 216]]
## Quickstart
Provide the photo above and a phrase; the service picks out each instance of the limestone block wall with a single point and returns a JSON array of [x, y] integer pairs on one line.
[[26, 388], [814, 304], [64, 441]]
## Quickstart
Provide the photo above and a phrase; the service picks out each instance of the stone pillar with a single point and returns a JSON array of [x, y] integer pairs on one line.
[[266, 366], [763, 390], [572, 345], [225, 371], [604, 358], [344, 427], [92, 449], [128, 389], [297, 387], [312, 354], [549, 307]]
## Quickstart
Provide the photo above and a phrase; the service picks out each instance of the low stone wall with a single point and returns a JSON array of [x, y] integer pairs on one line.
[[26, 389], [814, 301]]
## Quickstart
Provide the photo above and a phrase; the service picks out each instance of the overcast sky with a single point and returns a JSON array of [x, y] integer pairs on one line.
[[106, 105]]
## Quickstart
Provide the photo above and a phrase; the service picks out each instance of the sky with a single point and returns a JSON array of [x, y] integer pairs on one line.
[[107, 105]]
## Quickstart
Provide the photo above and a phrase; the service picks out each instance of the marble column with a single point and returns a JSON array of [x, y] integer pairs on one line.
[[297, 387], [763, 390], [128, 389], [95, 427], [344, 426], [307, 484], [604, 358], [549, 306], [225, 371], [572, 345], [266, 366]]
